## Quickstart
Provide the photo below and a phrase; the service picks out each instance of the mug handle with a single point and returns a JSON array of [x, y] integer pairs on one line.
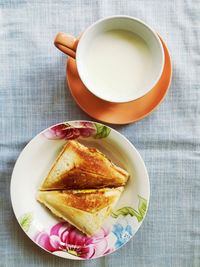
[[66, 43]]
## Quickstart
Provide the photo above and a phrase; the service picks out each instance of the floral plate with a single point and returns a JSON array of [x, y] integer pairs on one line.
[[59, 237]]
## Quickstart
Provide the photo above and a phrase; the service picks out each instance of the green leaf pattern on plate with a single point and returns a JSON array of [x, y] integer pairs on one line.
[[102, 131], [25, 221], [139, 214]]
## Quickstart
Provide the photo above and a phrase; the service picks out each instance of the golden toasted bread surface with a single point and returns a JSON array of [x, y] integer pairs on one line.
[[82, 187], [85, 209], [89, 200], [79, 167]]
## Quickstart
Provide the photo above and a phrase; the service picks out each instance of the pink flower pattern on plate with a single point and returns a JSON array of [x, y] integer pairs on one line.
[[65, 237], [68, 132]]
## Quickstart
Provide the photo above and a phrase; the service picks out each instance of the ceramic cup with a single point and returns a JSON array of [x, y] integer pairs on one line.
[[78, 48]]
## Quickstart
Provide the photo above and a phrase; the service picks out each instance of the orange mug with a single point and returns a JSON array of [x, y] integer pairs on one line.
[[79, 48]]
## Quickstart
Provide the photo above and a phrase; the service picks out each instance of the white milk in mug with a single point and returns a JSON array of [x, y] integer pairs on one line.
[[119, 62]]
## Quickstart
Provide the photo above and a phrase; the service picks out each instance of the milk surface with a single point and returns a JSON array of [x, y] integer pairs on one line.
[[118, 63]]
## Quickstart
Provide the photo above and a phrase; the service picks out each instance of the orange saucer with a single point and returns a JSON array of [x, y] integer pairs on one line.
[[121, 113]]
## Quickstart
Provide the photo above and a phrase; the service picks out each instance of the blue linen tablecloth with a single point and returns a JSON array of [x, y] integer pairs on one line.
[[34, 95]]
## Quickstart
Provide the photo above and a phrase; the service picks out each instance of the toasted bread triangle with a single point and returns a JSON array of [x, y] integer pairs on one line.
[[85, 209], [80, 167]]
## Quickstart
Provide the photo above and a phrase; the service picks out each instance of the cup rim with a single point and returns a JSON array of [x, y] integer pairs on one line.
[[149, 88]]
